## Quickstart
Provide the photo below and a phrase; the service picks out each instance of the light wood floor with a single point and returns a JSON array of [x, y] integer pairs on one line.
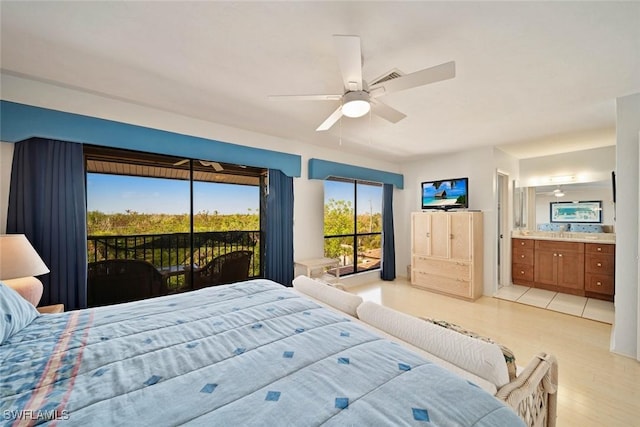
[[596, 387]]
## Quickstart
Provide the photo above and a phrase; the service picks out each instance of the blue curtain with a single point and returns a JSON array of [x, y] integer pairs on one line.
[[388, 271], [47, 204], [279, 229]]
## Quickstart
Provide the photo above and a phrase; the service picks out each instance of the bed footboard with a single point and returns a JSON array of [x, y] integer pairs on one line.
[[533, 394]]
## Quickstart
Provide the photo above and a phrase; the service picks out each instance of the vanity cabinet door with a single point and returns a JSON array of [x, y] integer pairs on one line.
[[559, 266], [546, 267], [571, 270]]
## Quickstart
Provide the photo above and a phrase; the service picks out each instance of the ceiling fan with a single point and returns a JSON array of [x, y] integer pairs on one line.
[[558, 192], [215, 165], [358, 97]]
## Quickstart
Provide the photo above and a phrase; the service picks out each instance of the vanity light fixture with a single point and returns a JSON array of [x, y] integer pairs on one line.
[[563, 179]]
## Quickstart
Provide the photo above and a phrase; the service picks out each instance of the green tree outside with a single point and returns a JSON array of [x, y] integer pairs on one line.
[[339, 220], [133, 223]]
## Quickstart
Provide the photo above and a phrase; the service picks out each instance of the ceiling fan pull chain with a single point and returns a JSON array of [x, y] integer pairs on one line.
[[370, 128], [340, 125]]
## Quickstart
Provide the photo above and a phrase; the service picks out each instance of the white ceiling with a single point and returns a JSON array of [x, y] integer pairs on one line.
[[532, 77]]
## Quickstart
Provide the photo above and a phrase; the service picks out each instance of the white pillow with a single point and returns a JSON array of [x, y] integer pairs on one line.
[[476, 356], [343, 301], [15, 312]]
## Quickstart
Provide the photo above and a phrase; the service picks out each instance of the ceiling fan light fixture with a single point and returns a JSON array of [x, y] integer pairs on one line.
[[356, 104]]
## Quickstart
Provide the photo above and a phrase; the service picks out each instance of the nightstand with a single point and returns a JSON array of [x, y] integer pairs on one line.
[[51, 309]]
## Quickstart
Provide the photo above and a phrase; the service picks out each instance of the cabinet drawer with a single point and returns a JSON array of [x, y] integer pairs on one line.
[[602, 284], [600, 264], [557, 246], [451, 269], [522, 272], [522, 243], [443, 284], [522, 256], [599, 248]]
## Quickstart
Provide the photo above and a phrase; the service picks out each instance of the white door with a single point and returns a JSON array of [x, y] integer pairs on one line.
[[502, 239]]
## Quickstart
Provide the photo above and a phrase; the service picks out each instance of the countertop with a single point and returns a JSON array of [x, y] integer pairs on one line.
[[604, 238]]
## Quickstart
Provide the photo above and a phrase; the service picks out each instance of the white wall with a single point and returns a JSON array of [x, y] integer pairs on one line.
[[625, 338], [480, 166], [308, 194], [6, 157], [587, 166]]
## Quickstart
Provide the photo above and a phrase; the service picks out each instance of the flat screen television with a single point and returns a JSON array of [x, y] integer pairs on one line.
[[446, 194]]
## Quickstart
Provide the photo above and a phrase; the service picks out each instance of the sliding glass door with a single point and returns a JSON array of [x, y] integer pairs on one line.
[[156, 218]]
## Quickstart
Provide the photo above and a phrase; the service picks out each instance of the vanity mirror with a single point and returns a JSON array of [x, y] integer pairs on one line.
[[532, 204]]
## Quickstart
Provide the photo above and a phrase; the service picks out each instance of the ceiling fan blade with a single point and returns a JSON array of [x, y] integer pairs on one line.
[[181, 162], [331, 120], [386, 112], [215, 165], [419, 78], [350, 60], [306, 97]]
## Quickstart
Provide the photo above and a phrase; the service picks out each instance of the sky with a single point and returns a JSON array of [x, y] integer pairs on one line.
[[117, 193], [369, 197]]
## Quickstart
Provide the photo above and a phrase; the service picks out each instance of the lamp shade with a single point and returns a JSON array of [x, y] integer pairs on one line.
[[18, 258]]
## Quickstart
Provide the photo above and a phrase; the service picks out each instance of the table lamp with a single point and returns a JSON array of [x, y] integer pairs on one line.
[[19, 262]]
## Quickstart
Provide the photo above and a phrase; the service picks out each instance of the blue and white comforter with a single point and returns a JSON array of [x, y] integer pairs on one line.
[[252, 353]]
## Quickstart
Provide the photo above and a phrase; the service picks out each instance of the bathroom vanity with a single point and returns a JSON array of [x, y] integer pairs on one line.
[[573, 263]]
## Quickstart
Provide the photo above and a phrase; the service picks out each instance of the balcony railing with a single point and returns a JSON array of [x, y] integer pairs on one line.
[[176, 251]]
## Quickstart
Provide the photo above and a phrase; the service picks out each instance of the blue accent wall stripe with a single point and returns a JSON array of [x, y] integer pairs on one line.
[[20, 122], [323, 169]]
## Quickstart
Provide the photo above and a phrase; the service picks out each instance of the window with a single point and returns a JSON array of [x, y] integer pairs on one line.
[[353, 224], [176, 214]]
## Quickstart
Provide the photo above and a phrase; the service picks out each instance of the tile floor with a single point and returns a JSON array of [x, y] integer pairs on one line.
[[589, 308]]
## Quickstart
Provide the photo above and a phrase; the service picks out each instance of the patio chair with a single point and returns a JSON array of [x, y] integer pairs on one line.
[[122, 280], [227, 268]]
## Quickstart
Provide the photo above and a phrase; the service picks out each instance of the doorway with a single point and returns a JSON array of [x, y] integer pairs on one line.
[[169, 224], [502, 238]]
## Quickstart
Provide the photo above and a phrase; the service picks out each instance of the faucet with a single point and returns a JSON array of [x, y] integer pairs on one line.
[[563, 229]]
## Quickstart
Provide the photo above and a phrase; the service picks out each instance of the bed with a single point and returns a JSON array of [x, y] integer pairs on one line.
[[249, 353]]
